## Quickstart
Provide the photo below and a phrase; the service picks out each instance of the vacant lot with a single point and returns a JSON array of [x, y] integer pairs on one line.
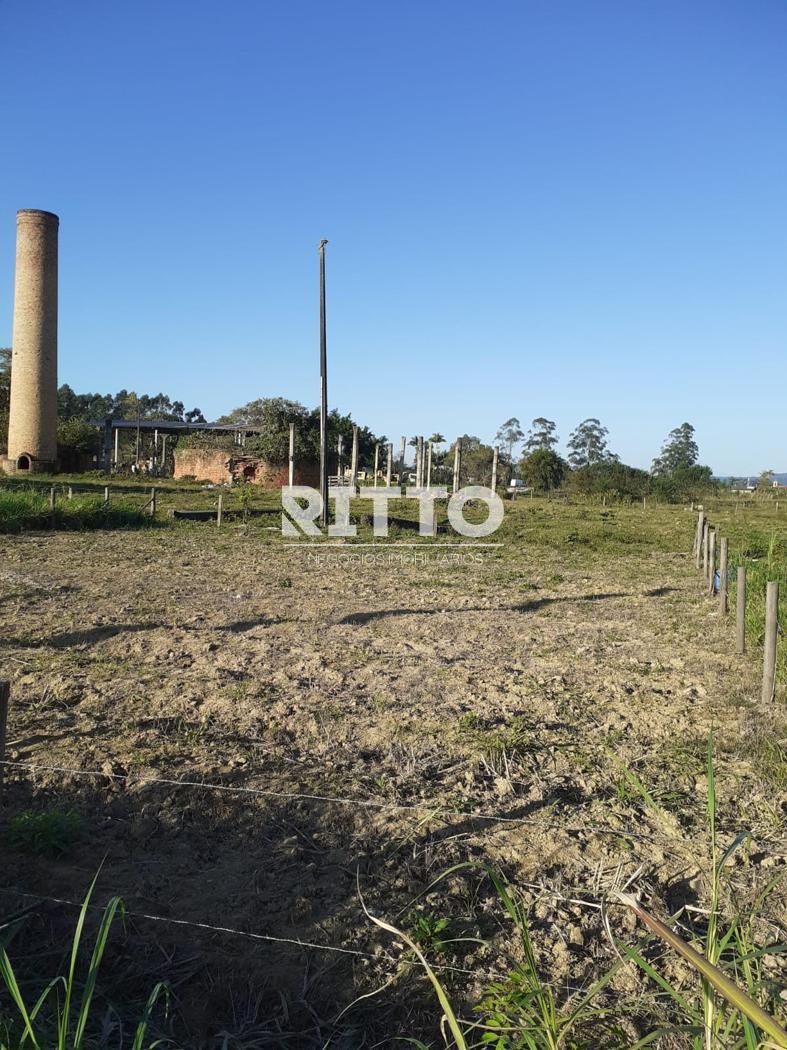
[[542, 707]]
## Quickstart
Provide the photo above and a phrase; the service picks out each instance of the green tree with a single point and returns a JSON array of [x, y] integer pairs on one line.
[[765, 481], [588, 445], [123, 405], [476, 468], [5, 392], [509, 435], [684, 483], [542, 435], [5, 377], [610, 478], [76, 435], [678, 451], [273, 416], [543, 469]]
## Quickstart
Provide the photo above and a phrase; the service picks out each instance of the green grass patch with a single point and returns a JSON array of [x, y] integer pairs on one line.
[[47, 832]]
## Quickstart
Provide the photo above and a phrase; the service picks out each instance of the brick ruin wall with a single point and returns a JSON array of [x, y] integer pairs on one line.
[[222, 468]]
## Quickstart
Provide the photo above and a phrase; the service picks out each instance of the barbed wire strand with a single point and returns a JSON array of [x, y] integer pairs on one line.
[[271, 938], [417, 807]]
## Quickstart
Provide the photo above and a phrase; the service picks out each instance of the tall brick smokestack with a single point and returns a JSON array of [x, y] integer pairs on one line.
[[32, 425]]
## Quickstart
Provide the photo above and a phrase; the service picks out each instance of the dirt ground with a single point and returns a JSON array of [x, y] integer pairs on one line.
[[373, 725]]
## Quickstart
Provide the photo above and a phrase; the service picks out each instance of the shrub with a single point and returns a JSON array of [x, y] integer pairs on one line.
[[685, 483], [611, 479]]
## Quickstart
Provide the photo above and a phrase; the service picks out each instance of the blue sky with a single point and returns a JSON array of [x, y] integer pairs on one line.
[[553, 208]]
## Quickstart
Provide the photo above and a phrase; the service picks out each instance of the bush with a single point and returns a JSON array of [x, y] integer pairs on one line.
[[75, 435], [685, 483], [611, 479]]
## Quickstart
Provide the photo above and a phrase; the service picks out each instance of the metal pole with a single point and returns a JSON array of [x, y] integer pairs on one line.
[[323, 391]]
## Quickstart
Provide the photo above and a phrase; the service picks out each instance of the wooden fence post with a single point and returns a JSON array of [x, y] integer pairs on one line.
[[5, 693], [740, 611], [457, 463], [220, 510], [711, 560], [292, 455], [70, 492], [152, 502], [723, 557], [705, 542], [389, 465], [495, 453], [429, 465], [698, 538], [376, 461], [771, 633], [106, 495]]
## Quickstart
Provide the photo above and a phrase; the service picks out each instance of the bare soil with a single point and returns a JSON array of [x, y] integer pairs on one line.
[[498, 707]]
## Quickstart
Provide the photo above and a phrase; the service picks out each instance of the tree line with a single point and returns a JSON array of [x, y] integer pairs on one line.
[[591, 467], [75, 412]]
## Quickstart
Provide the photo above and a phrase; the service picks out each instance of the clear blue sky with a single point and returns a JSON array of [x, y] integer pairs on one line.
[[550, 208]]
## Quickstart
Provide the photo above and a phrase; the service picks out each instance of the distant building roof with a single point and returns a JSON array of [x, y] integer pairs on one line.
[[174, 424]]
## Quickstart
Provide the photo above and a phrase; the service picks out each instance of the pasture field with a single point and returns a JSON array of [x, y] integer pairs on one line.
[[245, 736]]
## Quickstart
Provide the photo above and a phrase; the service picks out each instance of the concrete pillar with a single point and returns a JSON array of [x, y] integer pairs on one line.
[[32, 426]]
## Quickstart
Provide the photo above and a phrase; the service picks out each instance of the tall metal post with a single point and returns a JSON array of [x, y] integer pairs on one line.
[[323, 391]]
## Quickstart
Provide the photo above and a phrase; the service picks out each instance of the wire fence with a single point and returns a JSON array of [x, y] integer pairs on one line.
[[435, 809]]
